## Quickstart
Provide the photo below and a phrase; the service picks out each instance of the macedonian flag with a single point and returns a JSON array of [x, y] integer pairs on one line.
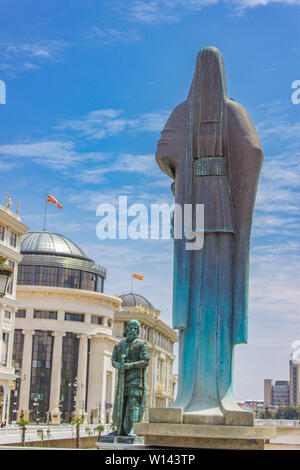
[[54, 201], [138, 276]]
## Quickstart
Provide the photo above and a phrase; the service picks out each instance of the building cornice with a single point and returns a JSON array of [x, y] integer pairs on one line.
[[8, 252], [65, 291], [12, 220], [142, 316]]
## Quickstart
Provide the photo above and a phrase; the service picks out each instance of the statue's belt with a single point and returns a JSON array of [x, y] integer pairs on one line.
[[209, 166]]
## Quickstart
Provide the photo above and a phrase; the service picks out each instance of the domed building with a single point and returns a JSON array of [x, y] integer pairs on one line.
[[160, 339], [63, 333]]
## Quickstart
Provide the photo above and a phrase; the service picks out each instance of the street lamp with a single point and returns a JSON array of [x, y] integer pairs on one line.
[[5, 275], [36, 405], [73, 387]]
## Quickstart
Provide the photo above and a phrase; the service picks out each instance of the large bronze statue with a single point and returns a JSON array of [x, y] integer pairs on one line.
[[130, 357], [210, 148]]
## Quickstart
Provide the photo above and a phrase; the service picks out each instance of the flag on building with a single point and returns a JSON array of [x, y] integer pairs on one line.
[[138, 276], [54, 201]]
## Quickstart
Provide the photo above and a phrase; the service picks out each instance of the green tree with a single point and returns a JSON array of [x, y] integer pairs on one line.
[[77, 422], [100, 429], [22, 423]]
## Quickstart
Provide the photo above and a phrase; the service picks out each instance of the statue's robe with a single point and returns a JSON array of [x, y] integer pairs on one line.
[[210, 292]]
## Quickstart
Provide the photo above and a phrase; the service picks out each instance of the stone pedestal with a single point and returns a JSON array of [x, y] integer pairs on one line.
[[113, 439], [24, 414], [54, 417], [166, 428]]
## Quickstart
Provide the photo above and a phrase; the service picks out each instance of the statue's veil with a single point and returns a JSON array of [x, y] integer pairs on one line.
[[207, 98]]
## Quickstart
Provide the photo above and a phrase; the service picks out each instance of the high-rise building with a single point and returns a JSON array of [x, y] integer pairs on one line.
[[283, 392], [268, 383], [294, 383], [280, 393]]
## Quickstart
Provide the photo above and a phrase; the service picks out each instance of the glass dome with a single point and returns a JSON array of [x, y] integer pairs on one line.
[[133, 300], [50, 243]]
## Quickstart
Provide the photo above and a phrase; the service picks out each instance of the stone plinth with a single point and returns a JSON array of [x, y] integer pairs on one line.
[[167, 428], [113, 439]]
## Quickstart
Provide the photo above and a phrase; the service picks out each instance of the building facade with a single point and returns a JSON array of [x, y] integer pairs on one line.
[[160, 339], [281, 393], [294, 383], [268, 384], [284, 392], [11, 230], [63, 333], [276, 395]]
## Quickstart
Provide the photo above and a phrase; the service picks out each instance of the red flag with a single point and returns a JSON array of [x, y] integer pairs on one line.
[[138, 276], [54, 201]]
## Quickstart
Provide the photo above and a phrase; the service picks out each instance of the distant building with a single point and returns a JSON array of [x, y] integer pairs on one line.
[[160, 338], [268, 383], [283, 392], [277, 394], [294, 384], [11, 229]]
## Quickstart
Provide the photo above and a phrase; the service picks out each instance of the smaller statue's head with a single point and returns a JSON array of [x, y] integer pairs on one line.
[[132, 330]]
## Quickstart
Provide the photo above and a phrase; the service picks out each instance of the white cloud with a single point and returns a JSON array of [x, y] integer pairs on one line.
[[42, 49], [52, 154], [15, 55], [111, 35], [147, 12], [257, 3], [103, 123]]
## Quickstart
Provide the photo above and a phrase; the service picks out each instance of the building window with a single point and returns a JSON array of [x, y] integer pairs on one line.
[[18, 349], [46, 276], [70, 350], [70, 278], [59, 277], [74, 316], [109, 323], [18, 345], [88, 281], [97, 320], [7, 314], [11, 264], [21, 313], [2, 232], [4, 351], [13, 238], [46, 314], [41, 371], [25, 275]]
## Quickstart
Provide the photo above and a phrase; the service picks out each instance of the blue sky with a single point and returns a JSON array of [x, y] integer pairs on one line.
[[89, 86]]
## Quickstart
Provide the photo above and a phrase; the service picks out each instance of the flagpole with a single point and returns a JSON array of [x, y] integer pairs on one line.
[[45, 215]]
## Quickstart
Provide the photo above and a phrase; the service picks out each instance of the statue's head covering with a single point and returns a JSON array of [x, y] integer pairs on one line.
[[207, 100]]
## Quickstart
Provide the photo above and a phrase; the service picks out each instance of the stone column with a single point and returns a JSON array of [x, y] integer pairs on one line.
[[54, 411], [100, 362], [6, 406], [2, 310], [26, 374], [11, 339], [81, 377]]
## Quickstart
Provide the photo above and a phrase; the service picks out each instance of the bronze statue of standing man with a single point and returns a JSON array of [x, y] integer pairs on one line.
[[130, 357]]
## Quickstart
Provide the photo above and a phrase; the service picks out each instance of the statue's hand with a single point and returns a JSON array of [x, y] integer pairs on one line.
[[128, 365]]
